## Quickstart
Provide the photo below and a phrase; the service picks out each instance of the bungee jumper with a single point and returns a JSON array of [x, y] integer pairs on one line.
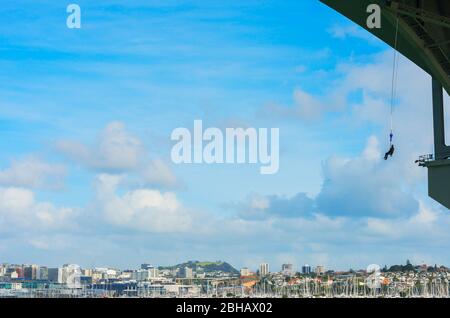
[[391, 150]]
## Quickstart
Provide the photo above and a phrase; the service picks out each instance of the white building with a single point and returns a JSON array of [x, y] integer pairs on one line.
[[111, 273], [145, 274], [263, 269], [287, 269], [2, 270], [153, 272], [320, 270], [70, 275], [188, 272], [126, 275], [88, 272], [140, 275], [245, 272], [42, 273], [183, 290]]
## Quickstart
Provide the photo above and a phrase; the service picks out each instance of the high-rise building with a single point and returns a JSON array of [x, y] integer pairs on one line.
[[153, 272], [188, 272], [320, 270], [306, 269], [27, 272], [141, 275], [263, 269], [145, 274], [287, 269], [175, 272], [30, 272], [42, 273], [19, 271], [54, 275], [2, 270]]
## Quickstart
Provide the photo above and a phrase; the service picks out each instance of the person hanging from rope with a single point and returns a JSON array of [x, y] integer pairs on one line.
[[391, 149]]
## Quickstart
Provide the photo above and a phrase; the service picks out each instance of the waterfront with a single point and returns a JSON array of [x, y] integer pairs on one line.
[[222, 281]]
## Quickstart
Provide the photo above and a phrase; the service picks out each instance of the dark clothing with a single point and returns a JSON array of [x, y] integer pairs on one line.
[[389, 153]]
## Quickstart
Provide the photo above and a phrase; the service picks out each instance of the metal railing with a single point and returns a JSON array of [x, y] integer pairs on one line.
[[424, 159]]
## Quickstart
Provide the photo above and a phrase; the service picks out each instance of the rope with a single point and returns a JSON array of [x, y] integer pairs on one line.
[[394, 84]]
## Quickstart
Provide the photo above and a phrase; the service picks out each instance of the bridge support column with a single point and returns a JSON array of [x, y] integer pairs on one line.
[[441, 150], [439, 169]]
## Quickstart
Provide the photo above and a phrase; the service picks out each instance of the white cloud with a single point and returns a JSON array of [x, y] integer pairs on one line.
[[15, 200], [427, 224], [259, 203], [118, 151], [372, 151], [39, 243], [32, 172], [144, 209], [259, 207], [157, 172], [359, 187], [115, 149], [365, 186], [306, 107], [19, 208]]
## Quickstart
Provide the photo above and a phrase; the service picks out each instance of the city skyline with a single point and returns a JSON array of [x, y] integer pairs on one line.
[[218, 279], [261, 269], [31, 270], [86, 117]]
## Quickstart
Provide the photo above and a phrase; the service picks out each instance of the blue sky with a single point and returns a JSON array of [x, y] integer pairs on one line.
[[86, 117]]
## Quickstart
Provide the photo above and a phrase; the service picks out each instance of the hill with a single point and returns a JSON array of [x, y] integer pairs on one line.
[[207, 267]]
